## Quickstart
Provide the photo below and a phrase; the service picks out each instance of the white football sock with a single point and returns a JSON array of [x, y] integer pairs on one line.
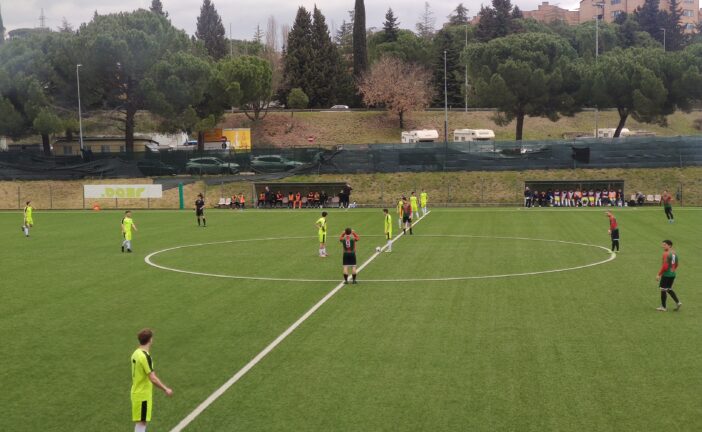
[[139, 427]]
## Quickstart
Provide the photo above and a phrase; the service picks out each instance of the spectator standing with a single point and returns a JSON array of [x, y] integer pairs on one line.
[[527, 197]]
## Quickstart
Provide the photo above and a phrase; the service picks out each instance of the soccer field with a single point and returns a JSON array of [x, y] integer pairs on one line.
[[483, 320]]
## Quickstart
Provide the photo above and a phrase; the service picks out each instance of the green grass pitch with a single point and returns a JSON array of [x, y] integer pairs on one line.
[[565, 351]]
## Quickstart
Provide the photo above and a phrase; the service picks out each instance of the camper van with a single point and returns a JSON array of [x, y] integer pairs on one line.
[[424, 135], [461, 135], [609, 133]]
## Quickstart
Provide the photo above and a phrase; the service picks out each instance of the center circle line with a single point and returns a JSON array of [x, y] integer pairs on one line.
[[149, 261]]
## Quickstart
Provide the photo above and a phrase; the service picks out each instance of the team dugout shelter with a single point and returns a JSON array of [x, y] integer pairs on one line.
[[581, 185], [332, 190], [575, 185]]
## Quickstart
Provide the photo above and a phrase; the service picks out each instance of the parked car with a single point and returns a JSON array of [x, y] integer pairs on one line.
[[210, 165], [340, 107], [273, 163], [154, 167]]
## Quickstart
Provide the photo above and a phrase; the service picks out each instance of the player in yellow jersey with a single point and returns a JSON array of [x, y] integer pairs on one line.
[[423, 199], [415, 206], [28, 221], [127, 226], [399, 211], [321, 225], [388, 230], [143, 380]]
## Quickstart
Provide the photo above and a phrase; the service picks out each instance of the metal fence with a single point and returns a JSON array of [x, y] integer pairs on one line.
[[643, 152]]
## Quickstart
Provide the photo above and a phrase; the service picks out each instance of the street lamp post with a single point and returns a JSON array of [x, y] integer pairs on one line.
[[445, 102], [663, 39], [597, 54], [80, 115], [466, 84]]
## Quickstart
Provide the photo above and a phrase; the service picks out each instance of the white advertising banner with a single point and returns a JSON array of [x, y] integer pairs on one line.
[[143, 191]]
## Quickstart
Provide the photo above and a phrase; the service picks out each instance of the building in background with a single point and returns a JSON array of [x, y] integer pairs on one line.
[[613, 8], [548, 13]]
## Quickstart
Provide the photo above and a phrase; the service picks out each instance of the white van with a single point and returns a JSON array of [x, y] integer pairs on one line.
[[462, 135], [423, 135]]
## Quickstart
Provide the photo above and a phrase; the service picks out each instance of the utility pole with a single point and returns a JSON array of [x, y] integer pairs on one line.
[[445, 102], [42, 19], [600, 6], [80, 116], [466, 84]]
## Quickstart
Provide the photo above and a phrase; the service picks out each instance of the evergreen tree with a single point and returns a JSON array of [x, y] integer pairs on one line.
[[444, 41], [391, 27], [325, 69], [210, 30], [651, 19], [459, 16], [675, 37], [425, 26], [497, 21], [360, 45], [258, 35], [2, 30], [298, 55], [157, 8], [517, 13]]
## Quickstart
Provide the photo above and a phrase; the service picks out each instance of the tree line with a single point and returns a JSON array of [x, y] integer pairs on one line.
[[136, 61]]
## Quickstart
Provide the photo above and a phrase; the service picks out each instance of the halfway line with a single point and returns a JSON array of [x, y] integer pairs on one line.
[[254, 361]]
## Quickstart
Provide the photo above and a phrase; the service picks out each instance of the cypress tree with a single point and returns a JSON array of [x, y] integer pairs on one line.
[[391, 29], [211, 31], [325, 64], [360, 46], [298, 56], [157, 8]]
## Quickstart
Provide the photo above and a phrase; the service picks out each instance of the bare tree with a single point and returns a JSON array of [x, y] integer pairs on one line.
[[399, 86], [425, 26], [272, 35], [284, 32]]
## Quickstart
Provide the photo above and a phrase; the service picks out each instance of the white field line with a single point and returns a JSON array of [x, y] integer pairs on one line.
[[612, 256], [254, 361], [506, 209]]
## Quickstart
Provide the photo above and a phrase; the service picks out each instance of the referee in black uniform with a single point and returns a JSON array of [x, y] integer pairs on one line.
[[200, 210]]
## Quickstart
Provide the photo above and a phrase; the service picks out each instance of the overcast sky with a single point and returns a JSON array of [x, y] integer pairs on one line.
[[243, 15]]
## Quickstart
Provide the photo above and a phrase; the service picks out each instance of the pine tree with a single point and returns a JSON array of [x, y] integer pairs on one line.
[[360, 45], [650, 18], [391, 27], [211, 31], [459, 16], [298, 55], [2, 30], [497, 21], [425, 26], [325, 67], [157, 8], [517, 13], [454, 77], [675, 37], [258, 35]]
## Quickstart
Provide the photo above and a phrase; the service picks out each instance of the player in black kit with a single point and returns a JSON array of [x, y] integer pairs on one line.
[[200, 210]]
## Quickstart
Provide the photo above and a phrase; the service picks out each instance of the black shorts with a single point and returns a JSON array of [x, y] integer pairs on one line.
[[666, 282], [406, 219], [349, 259], [615, 234], [200, 212]]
